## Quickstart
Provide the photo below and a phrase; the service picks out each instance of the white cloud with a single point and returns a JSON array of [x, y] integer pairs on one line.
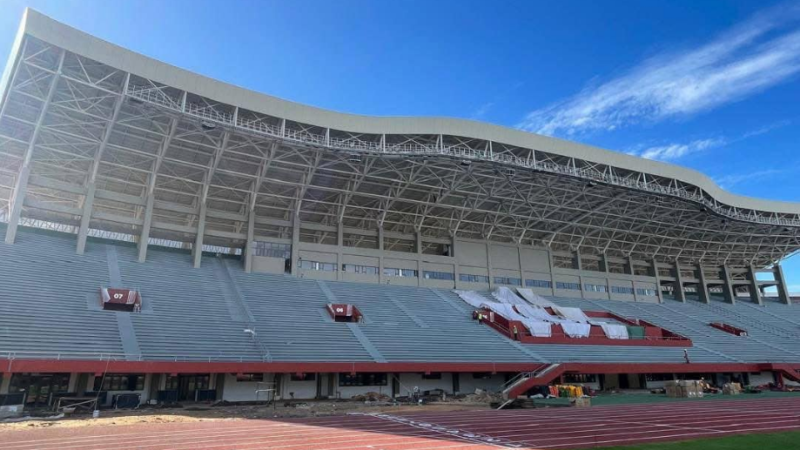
[[733, 179], [673, 151], [748, 58], [482, 110]]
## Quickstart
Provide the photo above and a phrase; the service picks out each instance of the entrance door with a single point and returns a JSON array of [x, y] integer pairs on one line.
[[38, 387], [189, 384]]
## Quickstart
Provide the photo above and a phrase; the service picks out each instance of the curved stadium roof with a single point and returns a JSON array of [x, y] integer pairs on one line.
[[133, 126]]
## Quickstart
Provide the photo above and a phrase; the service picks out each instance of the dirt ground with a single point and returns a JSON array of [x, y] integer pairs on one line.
[[206, 412]]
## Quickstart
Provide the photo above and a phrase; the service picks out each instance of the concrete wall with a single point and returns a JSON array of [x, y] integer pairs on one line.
[[409, 380], [468, 384]]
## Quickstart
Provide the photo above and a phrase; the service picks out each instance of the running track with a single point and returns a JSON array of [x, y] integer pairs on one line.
[[551, 428]]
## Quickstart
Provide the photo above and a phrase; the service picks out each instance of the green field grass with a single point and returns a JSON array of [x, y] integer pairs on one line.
[[771, 441]]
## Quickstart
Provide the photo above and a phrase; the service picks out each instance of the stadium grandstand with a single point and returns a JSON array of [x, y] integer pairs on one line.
[[180, 238]]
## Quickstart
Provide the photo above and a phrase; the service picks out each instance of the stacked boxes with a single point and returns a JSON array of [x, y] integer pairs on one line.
[[732, 389], [684, 389]]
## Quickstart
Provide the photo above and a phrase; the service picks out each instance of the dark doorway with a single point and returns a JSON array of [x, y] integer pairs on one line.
[[39, 387], [188, 385]]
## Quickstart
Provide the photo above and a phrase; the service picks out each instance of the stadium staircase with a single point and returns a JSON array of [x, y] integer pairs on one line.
[[526, 380]]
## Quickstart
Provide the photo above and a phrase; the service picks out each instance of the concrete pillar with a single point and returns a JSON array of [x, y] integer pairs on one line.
[[783, 289], [702, 287], [521, 268], [339, 246], [657, 276], [21, 188], [454, 255], [197, 250], [381, 276], [418, 248], [248, 246], [489, 265], [552, 275], [86, 216], [727, 285], [295, 245], [579, 266], [148, 221], [677, 287], [631, 269], [754, 288]]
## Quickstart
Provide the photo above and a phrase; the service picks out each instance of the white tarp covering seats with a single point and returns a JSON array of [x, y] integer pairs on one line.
[[507, 296], [535, 299], [473, 299], [573, 314], [537, 328], [613, 330]]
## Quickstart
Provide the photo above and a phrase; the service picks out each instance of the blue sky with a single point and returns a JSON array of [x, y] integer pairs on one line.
[[709, 85]]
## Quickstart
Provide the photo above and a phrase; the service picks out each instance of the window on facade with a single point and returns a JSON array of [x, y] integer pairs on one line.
[[580, 378], [272, 250], [469, 278], [362, 379], [588, 287], [438, 275], [119, 382], [646, 292], [320, 266], [432, 376], [568, 286], [622, 290], [355, 268], [392, 272], [304, 376], [508, 280], [538, 283], [246, 377], [193, 382]]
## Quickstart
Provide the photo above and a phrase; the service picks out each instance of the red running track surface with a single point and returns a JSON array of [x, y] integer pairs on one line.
[[551, 428]]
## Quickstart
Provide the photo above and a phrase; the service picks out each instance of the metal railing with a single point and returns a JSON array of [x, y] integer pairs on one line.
[[158, 97]]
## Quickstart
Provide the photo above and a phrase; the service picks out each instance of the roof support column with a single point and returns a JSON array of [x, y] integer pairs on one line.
[[248, 246], [21, 187], [295, 270], [144, 238], [418, 245], [677, 287], [88, 200], [702, 286], [657, 276], [783, 289], [88, 204], [727, 285], [552, 275], [339, 247], [489, 269], [197, 249], [578, 264], [454, 255], [632, 272], [755, 292], [381, 276]]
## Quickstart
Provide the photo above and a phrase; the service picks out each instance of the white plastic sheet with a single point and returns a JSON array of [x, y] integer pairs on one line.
[[534, 312], [613, 330], [539, 328], [506, 295], [534, 299], [575, 329], [573, 314], [473, 298]]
